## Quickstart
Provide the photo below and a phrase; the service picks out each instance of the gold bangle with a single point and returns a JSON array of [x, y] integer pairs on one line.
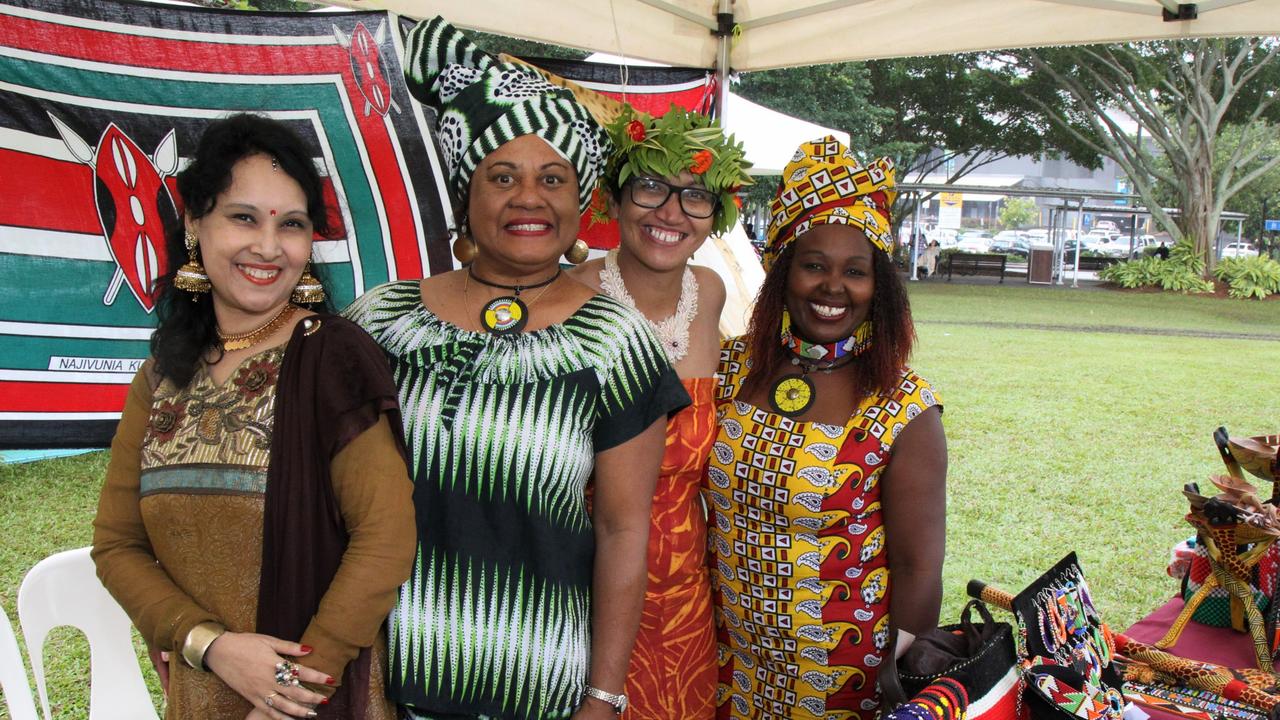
[[198, 642]]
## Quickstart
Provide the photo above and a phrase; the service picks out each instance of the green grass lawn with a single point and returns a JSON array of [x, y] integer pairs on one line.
[[1063, 435]]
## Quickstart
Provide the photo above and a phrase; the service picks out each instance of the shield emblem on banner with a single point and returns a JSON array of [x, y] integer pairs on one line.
[[366, 66], [134, 205]]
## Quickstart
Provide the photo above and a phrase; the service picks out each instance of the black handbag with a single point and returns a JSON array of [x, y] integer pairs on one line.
[[980, 656]]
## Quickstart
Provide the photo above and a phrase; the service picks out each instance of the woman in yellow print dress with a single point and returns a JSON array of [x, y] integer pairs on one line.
[[827, 477]]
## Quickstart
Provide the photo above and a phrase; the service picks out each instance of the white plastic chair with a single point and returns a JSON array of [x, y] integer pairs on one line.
[[13, 675], [63, 589]]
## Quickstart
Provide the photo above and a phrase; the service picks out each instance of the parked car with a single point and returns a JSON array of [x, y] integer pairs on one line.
[[1005, 240], [1021, 249], [1069, 250], [1038, 235], [1239, 249], [1140, 245], [1117, 246], [1106, 225], [974, 242], [1095, 238]]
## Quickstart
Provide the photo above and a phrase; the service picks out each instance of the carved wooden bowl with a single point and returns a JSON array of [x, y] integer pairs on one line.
[[1257, 455]]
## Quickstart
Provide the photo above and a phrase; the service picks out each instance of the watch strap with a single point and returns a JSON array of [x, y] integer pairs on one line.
[[619, 701]]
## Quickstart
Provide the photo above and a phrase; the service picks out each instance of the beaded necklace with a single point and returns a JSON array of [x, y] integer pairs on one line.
[[794, 392], [855, 344], [673, 332]]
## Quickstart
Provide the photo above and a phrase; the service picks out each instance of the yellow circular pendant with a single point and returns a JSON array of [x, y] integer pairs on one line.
[[792, 395], [504, 315]]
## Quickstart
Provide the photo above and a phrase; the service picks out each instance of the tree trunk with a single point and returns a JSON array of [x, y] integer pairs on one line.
[[1198, 220]]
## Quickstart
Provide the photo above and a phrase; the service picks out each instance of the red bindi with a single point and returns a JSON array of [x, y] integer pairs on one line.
[[273, 213]]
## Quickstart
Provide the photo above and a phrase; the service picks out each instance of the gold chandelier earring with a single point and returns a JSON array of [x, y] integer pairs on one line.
[[191, 276], [308, 290]]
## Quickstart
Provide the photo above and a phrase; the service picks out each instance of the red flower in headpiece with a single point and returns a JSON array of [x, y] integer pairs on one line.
[[737, 200], [701, 162], [635, 129]]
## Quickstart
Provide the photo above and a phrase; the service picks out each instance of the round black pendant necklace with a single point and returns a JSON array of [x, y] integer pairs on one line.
[[794, 393], [507, 314]]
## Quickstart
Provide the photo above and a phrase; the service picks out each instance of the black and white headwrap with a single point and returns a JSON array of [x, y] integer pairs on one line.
[[483, 103]]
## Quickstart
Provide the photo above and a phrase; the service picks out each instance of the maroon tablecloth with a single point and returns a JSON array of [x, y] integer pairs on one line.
[[1221, 646]]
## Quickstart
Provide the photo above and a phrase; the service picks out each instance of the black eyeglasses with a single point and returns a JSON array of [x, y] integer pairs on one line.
[[651, 193]]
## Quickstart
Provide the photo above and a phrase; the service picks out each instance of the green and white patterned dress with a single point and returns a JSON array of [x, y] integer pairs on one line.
[[502, 433]]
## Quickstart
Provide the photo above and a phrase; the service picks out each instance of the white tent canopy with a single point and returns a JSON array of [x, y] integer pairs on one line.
[[780, 33], [769, 137]]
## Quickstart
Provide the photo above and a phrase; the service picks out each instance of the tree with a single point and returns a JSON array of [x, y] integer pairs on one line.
[[1265, 190], [949, 113], [1183, 94], [1018, 212]]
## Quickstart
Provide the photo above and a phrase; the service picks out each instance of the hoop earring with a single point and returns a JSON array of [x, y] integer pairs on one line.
[[308, 290], [191, 276], [577, 252]]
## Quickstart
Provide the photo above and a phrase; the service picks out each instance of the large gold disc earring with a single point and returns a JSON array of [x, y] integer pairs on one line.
[[464, 248], [577, 252], [308, 290], [191, 276]]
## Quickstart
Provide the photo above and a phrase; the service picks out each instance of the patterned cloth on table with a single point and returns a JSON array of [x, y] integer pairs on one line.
[[502, 434], [204, 474], [800, 574], [673, 666]]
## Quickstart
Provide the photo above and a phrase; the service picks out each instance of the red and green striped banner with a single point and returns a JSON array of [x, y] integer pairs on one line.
[[100, 104]]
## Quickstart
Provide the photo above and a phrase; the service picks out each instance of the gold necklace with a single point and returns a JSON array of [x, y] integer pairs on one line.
[[241, 341]]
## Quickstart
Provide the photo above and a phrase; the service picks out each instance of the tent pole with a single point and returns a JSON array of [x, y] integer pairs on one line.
[[724, 39], [1075, 275], [915, 251]]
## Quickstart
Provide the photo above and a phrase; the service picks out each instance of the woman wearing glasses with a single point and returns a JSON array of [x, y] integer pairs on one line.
[[670, 184]]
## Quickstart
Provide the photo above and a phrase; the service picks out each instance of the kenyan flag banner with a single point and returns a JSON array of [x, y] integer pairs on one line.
[[101, 104]]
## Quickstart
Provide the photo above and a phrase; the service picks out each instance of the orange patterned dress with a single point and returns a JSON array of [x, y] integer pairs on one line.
[[673, 667]]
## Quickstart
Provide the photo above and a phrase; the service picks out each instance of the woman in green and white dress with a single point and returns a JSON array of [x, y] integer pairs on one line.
[[516, 382]]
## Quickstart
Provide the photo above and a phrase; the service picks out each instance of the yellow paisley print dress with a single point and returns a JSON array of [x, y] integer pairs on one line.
[[800, 574]]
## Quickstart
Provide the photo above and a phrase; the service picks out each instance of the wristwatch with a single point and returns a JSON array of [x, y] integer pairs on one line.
[[619, 701]]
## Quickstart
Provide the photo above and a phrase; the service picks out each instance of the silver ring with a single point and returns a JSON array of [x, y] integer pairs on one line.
[[267, 700]]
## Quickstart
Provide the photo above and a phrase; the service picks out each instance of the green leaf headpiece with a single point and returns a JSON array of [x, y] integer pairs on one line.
[[670, 144]]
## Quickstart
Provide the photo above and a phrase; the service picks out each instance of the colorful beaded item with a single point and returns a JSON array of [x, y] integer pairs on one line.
[[1188, 702], [794, 393], [944, 699], [1069, 648], [855, 344]]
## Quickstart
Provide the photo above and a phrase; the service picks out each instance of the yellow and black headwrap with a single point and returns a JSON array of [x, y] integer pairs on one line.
[[825, 185]]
